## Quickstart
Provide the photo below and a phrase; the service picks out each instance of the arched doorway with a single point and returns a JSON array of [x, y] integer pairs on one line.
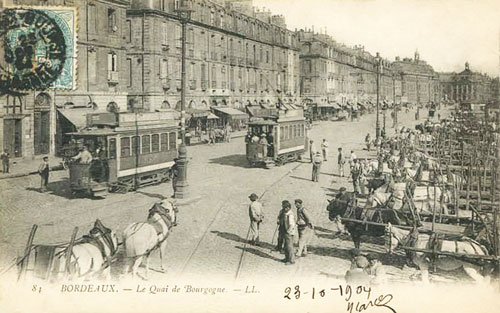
[[112, 107], [42, 123], [165, 104]]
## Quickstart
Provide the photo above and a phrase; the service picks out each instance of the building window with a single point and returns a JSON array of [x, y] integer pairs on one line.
[[112, 26], [155, 143], [178, 36], [112, 148], [129, 72], [112, 62], [129, 31], [135, 145], [163, 68], [146, 144], [92, 64], [92, 18], [125, 147], [164, 142], [172, 140], [164, 34]]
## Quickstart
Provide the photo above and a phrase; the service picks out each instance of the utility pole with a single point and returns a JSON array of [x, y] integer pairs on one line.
[[184, 13], [377, 125], [395, 112]]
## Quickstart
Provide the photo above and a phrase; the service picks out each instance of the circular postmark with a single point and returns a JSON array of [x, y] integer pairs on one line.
[[34, 49]]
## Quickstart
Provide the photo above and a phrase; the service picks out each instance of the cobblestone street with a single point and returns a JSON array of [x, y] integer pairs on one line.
[[210, 238]]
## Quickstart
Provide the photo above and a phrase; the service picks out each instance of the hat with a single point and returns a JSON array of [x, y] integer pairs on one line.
[[318, 153], [45, 158], [298, 201], [263, 135], [286, 204], [342, 189], [253, 197]]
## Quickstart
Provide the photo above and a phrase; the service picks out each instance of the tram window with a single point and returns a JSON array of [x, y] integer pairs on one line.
[[295, 131], [303, 131], [164, 142], [155, 143], [172, 138], [282, 133], [125, 147], [135, 145], [112, 148], [146, 144], [290, 134]]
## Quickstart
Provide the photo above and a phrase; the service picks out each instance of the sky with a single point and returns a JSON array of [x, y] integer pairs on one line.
[[446, 33]]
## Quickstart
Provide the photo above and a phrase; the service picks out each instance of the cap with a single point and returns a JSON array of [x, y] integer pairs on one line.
[[253, 197], [286, 204], [342, 189], [298, 201], [372, 256]]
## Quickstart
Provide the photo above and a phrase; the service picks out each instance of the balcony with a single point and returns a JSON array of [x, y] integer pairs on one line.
[[113, 77]]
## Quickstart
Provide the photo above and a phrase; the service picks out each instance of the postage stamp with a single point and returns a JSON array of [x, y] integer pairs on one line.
[[39, 48]]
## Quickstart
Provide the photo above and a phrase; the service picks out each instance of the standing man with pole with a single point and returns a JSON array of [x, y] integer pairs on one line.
[[305, 227], [288, 221]]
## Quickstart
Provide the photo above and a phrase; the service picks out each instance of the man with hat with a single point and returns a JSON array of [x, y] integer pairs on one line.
[[287, 219], [84, 156], [376, 269], [256, 217], [317, 160], [174, 174], [356, 274], [43, 170], [263, 145], [305, 227], [312, 150]]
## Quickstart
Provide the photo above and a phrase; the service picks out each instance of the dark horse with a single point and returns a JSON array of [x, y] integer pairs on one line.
[[345, 206]]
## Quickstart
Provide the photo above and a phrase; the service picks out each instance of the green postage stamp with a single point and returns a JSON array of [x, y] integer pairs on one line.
[[39, 48]]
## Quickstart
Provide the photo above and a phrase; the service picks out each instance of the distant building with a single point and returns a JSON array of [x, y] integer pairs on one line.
[[468, 86]]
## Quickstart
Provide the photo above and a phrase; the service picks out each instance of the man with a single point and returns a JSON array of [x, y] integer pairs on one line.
[[358, 259], [376, 270], [174, 174], [263, 145], [256, 217], [281, 227], [312, 150], [341, 162], [84, 156], [317, 160], [5, 161], [324, 149], [288, 222], [352, 157], [356, 173], [305, 227], [270, 145], [368, 141], [43, 170], [211, 136]]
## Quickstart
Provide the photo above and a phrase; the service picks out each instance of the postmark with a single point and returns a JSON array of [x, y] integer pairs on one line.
[[39, 48]]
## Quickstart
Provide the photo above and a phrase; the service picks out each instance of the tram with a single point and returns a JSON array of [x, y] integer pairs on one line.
[[130, 150], [276, 140]]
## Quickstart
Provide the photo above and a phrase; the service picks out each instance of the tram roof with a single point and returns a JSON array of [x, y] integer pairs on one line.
[[262, 122]]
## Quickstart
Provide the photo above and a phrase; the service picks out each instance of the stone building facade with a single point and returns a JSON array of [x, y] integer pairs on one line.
[[468, 86], [235, 56], [35, 124]]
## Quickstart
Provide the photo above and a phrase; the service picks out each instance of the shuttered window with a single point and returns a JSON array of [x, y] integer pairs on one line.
[[164, 142], [155, 143], [125, 147], [146, 144], [172, 140]]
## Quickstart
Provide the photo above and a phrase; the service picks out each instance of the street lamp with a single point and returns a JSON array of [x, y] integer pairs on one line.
[[377, 125], [184, 13]]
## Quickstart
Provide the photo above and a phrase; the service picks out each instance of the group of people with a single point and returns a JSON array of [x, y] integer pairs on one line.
[[223, 133], [264, 141], [288, 225]]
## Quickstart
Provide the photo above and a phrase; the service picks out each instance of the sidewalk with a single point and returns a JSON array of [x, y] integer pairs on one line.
[[27, 166]]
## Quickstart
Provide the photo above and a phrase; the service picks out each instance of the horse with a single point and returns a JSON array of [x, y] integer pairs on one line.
[[90, 255], [424, 241], [140, 239], [346, 206]]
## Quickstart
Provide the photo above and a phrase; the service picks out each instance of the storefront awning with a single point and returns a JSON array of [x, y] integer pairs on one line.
[[196, 113], [233, 113], [212, 116], [77, 117]]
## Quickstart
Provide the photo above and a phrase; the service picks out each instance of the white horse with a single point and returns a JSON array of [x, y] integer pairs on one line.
[[140, 239], [87, 260], [446, 263]]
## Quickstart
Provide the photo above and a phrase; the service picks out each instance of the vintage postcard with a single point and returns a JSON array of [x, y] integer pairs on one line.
[[249, 156]]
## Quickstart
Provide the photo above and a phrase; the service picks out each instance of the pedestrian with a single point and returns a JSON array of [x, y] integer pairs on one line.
[[5, 161], [174, 174], [263, 145], [324, 149], [256, 217], [281, 227], [312, 150], [355, 173], [341, 162], [376, 269], [352, 157], [305, 228], [43, 170], [368, 141], [288, 221], [227, 134], [211, 136], [316, 166]]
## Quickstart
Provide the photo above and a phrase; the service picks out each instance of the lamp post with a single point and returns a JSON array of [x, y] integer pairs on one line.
[[395, 109], [184, 13], [377, 125]]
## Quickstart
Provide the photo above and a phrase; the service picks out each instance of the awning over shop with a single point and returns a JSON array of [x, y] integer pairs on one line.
[[212, 116], [77, 117], [197, 113], [233, 113]]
